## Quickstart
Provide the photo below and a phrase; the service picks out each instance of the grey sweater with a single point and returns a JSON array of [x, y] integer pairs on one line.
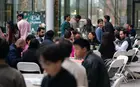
[[10, 77]]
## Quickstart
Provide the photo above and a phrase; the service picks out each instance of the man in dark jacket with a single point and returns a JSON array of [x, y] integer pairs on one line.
[[94, 65], [108, 26], [14, 55]]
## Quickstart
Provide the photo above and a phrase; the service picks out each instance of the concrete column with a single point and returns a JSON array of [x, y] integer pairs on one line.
[[49, 15], [15, 9]]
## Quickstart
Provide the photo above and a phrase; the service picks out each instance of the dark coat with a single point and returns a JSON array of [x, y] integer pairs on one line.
[[62, 79], [30, 56], [109, 27], [107, 51], [96, 71], [14, 56]]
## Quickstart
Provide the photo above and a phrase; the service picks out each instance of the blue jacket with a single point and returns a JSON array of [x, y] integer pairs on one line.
[[14, 56], [99, 34]]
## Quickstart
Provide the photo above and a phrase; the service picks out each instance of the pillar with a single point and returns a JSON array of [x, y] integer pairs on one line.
[[49, 15]]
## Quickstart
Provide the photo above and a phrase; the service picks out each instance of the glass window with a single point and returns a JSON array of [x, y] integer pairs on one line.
[[73, 9], [83, 8]]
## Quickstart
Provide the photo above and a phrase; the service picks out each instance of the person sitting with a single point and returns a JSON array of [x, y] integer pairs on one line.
[[51, 60], [124, 44], [28, 39], [74, 68], [132, 31], [92, 40], [107, 47], [14, 55], [30, 54], [48, 37], [40, 34], [9, 77], [96, 71]]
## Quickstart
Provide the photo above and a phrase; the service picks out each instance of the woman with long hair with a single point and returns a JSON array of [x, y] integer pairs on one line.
[[107, 48], [92, 40], [13, 32], [88, 27]]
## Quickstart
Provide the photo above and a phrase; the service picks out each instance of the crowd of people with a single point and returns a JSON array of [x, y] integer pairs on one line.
[[57, 56]]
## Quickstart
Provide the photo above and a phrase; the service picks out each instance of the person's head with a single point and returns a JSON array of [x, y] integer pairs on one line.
[[123, 34], [51, 59], [41, 31], [126, 26], [91, 35], [20, 17], [29, 38], [67, 17], [81, 47], [106, 18], [88, 22], [67, 35], [34, 43], [77, 18], [66, 46], [49, 34], [100, 22], [4, 48], [131, 27], [77, 36], [20, 43]]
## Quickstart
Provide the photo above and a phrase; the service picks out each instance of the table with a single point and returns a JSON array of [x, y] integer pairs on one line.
[[33, 80]]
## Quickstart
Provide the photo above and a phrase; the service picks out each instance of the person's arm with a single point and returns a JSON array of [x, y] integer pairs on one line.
[[123, 47]]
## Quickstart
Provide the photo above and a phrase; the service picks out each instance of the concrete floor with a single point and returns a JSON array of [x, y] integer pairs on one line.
[[135, 83]]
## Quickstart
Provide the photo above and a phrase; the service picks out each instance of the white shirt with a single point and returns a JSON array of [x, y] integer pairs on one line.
[[122, 47], [78, 71]]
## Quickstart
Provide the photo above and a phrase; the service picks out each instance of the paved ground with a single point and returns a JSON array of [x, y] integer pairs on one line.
[[135, 83]]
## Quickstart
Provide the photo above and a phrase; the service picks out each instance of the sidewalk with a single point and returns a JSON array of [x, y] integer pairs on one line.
[[135, 83]]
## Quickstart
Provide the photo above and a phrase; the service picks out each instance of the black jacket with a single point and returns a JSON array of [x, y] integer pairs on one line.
[[96, 71], [62, 79], [109, 27], [107, 51], [30, 56]]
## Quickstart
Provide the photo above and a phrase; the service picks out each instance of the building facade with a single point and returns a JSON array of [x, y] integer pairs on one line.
[[120, 11]]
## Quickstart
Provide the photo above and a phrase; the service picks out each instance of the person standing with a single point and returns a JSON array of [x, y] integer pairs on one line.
[[13, 32], [65, 25], [23, 25], [108, 26], [96, 71], [99, 30], [74, 22], [9, 77]]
